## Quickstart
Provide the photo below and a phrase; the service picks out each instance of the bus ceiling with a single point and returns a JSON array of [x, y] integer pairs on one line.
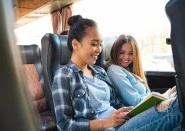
[[27, 11]]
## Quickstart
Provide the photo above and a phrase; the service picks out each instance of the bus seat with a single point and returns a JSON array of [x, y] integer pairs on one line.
[[55, 53], [175, 12], [50, 55], [34, 77]]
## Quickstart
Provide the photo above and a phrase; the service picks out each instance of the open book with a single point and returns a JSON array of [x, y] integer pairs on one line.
[[152, 99]]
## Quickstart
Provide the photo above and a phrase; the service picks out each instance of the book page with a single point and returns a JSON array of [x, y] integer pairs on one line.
[[151, 100]]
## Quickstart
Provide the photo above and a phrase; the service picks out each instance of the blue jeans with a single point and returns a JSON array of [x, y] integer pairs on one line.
[[153, 120]]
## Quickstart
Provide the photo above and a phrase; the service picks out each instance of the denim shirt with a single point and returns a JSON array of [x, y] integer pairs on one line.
[[71, 97], [99, 93], [131, 90]]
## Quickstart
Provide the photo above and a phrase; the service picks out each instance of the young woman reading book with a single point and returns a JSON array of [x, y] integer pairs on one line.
[[126, 72], [84, 98]]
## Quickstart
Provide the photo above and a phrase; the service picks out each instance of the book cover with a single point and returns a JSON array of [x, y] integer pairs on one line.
[[151, 100]]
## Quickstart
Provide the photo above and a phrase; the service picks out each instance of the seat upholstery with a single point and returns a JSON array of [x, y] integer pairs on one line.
[[34, 77], [55, 53]]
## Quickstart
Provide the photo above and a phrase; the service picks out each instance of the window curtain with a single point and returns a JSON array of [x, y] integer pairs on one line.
[[59, 19], [56, 22], [66, 12]]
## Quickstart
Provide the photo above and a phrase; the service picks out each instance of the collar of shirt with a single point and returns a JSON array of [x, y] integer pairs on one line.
[[98, 71], [77, 69]]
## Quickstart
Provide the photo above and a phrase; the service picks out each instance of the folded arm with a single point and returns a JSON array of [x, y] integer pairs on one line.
[[126, 90]]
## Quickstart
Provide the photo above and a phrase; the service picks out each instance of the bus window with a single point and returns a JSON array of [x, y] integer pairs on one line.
[[32, 33], [146, 20]]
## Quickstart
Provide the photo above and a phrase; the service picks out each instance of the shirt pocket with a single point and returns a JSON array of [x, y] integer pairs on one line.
[[79, 99]]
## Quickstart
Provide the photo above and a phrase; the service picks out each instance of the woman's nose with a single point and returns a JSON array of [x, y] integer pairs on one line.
[[99, 49], [126, 56]]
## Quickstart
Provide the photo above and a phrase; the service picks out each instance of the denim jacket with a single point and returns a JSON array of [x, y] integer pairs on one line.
[[71, 97], [131, 90]]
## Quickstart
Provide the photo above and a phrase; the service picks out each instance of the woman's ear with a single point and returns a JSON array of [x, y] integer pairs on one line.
[[75, 44]]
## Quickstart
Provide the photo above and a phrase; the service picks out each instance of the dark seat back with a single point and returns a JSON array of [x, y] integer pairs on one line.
[[31, 58], [175, 11], [51, 55]]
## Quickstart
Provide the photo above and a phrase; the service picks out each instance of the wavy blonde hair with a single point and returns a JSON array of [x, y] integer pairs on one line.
[[136, 66]]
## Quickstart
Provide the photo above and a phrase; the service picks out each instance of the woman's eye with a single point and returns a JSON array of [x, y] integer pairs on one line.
[[96, 44], [93, 44]]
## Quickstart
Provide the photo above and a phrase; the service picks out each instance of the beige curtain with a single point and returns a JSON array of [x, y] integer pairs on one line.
[[56, 22], [59, 19], [66, 12]]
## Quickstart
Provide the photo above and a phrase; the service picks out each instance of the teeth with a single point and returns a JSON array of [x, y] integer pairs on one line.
[[125, 61], [95, 56]]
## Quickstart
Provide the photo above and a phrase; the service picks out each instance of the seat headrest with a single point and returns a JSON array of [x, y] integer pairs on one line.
[[65, 52], [54, 51], [30, 53]]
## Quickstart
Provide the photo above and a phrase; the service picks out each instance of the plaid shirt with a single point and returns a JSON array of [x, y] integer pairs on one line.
[[71, 97]]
